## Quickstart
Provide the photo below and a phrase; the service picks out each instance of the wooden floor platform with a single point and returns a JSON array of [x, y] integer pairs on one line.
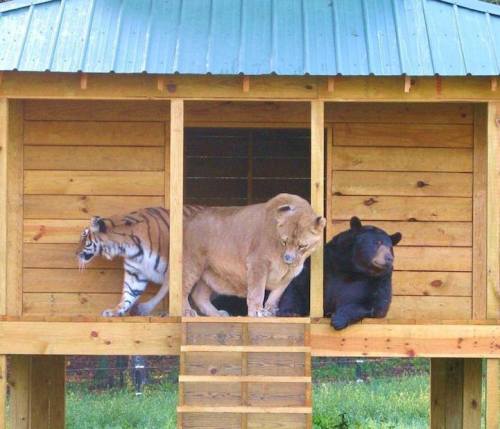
[[162, 336]]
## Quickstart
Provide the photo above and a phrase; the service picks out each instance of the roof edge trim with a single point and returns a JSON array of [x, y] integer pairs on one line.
[[19, 4], [477, 5]]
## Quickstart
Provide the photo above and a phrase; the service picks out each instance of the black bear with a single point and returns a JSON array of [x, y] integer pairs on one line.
[[358, 277]]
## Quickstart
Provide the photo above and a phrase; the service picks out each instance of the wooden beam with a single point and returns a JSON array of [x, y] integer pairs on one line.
[[494, 83], [176, 202], [90, 338], [246, 83], [472, 393], [83, 81], [15, 204], [407, 86], [493, 212], [492, 393], [317, 200], [407, 340], [331, 84], [479, 268], [19, 382], [3, 391], [117, 87], [4, 113]]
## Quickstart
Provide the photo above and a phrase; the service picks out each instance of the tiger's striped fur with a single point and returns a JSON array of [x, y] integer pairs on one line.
[[141, 238]]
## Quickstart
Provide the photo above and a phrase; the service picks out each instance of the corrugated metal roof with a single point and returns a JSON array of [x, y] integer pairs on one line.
[[253, 37]]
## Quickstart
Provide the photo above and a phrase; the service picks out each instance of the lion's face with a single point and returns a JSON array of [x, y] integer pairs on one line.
[[299, 231]]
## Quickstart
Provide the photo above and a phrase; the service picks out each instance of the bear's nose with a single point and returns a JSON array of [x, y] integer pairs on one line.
[[389, 259]]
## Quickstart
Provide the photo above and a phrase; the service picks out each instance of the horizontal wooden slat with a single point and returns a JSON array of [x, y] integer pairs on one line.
[[408, 135], [276, 363], [71, 304], [375, 208], [94, 182], [246, 349], [59, 256], [419, 233], [94, 158], [213, 394], [433, 258], [73, 280], [90, 133], [402, 183], [90, 338], [243, 409], [246, 320], [243, 379], [277, 421], [83, 207], [442, 113], [432, 283], [96, 110], [401, 159], [410, 340], [53, 230], [430, 307]]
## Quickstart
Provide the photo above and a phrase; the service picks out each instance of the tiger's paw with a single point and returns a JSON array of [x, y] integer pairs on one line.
[[112, 313]]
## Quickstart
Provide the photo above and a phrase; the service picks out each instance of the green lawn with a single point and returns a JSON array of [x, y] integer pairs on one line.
[[400, 402]]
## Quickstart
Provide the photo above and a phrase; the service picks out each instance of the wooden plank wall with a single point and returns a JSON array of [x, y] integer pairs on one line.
[[83, 159], [409, 168]]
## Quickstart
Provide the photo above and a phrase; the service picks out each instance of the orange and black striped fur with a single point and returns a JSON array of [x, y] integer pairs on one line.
[[141, 238]]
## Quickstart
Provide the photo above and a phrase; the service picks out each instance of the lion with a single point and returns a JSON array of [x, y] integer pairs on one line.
[[244, 251]]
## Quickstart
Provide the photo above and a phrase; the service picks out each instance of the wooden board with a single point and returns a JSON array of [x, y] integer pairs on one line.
[[84, 206], [402, 183], [433, 258], [432, 283], [402, 135], [430, 307], [90, 338], [94, 158], [402, 159], [93, 182], [3, 390], [53, 230], [492, 393], [90, 133], [407, 340], [372, 208], [399, 113], [416, 233]]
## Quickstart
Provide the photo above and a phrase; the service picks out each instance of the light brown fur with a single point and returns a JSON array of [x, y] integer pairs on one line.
[[241, 251]]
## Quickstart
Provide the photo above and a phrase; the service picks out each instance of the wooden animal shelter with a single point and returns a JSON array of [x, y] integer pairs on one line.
[[389, 111]]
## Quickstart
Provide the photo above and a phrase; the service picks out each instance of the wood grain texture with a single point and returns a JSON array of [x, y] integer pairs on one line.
[[317, 201], [430, 307], [472, 393], [407, 340], [432, 283], [176, 194], [19, 381], [493, 213], [53, 230], [15, 207], [492, 393], [84, 206], [402, 183], [451, 234], [91, 133], [433, 258], [403, 135], [37, 182], [374, 208], [4, 120], [480, 218], [3, 391], [90, 338], [402, 159], [94, 158]]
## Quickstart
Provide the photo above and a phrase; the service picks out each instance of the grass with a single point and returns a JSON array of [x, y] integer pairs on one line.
[[387, 403], [121, 409]]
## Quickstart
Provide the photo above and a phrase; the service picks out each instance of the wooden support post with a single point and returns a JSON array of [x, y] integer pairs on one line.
[[176, 202], [3, 391], [37, 392], [4, 113], [456, 393], [317, 200], [492, 393], [246, 84]]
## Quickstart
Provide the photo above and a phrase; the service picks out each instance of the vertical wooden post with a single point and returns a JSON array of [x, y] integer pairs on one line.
[[493, 260], [317, 200], [4, 112], [3, 391], [37, 392], [493, 393], [176, 202], [456, 393]]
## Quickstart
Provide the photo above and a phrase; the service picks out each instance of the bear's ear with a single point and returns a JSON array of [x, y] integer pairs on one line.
[[355, 223], [396, 238], [319, 224], [97, 224]]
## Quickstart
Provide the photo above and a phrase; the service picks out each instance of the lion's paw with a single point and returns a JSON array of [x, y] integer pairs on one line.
[[223, 313], [190, 313], [264, 312]]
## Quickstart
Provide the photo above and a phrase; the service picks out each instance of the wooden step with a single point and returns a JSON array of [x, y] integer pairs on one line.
[[243, 379], [245, 349], [243, 410]]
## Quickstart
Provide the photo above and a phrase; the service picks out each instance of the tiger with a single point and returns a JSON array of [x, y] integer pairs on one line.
[[141, 238]]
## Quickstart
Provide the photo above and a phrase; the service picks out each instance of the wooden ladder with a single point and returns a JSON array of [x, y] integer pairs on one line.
[[240, 372]]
